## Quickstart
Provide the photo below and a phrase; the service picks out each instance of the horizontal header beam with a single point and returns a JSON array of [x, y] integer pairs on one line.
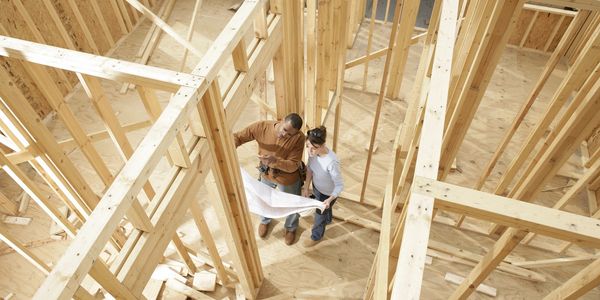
[[511, 212]]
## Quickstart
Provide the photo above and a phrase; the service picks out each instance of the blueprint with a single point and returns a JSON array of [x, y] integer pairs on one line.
[[272, 203]]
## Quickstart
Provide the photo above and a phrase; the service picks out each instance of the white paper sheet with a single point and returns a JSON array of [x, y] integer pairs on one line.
[[273, 203]]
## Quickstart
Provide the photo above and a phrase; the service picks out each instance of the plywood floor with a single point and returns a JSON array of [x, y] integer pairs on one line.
[[338, 267]]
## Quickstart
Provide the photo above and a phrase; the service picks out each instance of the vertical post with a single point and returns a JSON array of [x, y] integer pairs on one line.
[[226, 171], [419, 210], [311, 67]]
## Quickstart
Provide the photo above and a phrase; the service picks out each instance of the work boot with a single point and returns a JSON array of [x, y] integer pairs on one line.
[[290, 236], [262, 230]]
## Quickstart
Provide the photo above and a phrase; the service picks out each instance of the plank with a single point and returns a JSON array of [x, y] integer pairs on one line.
[[99, 66]]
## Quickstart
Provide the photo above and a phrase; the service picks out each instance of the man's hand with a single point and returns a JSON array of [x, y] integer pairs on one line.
[[268, 159]]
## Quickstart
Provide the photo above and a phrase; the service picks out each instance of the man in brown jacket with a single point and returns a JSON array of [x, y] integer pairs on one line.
[[280, 149]]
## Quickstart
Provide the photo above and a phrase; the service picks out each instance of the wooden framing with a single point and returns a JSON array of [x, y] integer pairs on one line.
[[174, 199], [455, 67]]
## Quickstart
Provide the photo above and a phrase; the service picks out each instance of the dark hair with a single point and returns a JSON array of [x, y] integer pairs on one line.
[[317, 136], [295, 120]]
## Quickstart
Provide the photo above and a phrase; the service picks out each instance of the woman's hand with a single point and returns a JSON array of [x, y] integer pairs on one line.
[[327, 202], [305, 192]]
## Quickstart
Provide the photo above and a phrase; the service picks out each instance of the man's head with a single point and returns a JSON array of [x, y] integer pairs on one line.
[[290, 126]]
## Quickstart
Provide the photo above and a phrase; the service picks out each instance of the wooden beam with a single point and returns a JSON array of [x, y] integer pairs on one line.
[[369, 41], [311, 109], [528, 29], [86, 31], [190, 32], [591, 195], [226, 172], [419, 210], [177, 151], [400, 50], [581, 4], [209, 241], [341, 71], [323, 53], [555, 29], [118, 16], [578, 285], [24, 252], [510, 212], [361, 60], [549, 10], [125, 14], [100, 17], [99, 66], [592, 159]]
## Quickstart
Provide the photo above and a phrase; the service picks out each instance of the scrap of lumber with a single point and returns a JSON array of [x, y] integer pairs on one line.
[[164, 273], [185, 290], [153, 289], [9, 296], [482, 288], [205, 281], [344, 213], [17, 220]]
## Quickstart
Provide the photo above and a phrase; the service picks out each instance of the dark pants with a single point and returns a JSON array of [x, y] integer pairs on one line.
[[322, 218]]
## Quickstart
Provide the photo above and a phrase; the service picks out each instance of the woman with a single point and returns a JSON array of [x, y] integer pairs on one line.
[[323, 169]]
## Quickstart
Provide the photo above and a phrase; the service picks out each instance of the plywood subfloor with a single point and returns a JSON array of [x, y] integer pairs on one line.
[[338, 267]]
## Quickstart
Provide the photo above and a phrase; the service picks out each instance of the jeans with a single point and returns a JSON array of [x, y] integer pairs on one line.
[[291, 221], [322, 218]]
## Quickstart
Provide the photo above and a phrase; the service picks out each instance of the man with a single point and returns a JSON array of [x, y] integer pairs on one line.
[[280, 149]]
